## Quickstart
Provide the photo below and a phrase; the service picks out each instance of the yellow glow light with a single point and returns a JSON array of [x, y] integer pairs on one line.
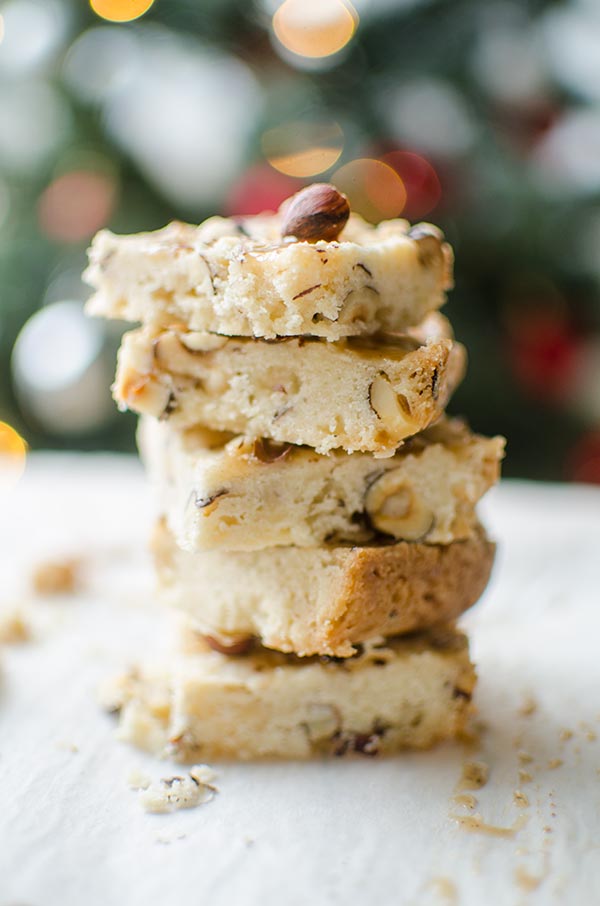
[[13, 453], [373, 188], [315, 28], [120, 10], [303, 148]]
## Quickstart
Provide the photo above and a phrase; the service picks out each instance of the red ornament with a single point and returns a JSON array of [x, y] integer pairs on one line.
[[260, 189], [583, 462]]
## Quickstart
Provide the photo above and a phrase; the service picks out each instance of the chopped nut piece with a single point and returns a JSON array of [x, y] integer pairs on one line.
[[525, 776], [528, 707], [323, 721], [389, 406], [316, 212], [524, 757], [56, 577], [565, 735], [393, 508], [268, 451], [555, 763], [202, 342], [234, 648]]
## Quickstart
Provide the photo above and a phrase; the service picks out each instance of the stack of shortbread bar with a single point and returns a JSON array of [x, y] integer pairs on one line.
[[317, 508]]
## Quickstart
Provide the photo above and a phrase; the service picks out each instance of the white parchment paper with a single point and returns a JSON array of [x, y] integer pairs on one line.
[[72, 833]]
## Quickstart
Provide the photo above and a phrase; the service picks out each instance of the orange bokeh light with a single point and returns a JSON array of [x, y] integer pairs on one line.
[[75, 205], [315, 28], [422, 184], [120, 10], [303, 149], [373, 188], [13, 454]]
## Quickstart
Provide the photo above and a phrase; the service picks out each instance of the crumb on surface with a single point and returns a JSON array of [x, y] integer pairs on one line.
[[525, 776], [181, 791], [565, 735], [521, 800], [555, 763], [524, 757], [13, 628], [474, 775], [56, 577], [528, 707]]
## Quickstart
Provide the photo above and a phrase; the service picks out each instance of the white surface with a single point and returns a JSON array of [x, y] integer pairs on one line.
[[352, 832]]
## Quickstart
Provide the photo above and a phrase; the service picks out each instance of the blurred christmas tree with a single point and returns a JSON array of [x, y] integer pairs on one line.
[[483, 117]]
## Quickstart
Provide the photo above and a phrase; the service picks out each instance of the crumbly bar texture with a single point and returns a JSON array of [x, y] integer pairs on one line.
[[224, 492], [400, 693], [323, 600], [238, 277], [358, 394]]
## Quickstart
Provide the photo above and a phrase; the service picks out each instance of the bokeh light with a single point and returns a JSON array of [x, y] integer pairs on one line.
[[13, 455], [121, 10], [421, 182], [75, 205], [259, 189], [583, 462], [61, 374], [314, 28], [373, 188], [302, 148]]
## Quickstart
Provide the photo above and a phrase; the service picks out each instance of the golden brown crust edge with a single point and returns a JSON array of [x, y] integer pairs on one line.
[[404, 588]]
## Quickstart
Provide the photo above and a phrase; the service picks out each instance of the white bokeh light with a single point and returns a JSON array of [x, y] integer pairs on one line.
[[428, 114], [101, 62], [34, 30], [34, 122], [186, 116]]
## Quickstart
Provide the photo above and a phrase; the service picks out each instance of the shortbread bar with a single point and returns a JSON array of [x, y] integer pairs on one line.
[[409, 692], [322, 600], [358, 394], [220, 491], [239, 277]]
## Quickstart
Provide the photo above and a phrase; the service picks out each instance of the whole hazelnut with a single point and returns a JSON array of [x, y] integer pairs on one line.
[[316, 212]]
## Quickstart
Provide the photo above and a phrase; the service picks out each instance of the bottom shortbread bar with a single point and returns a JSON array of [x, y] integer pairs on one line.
[[408, 692]]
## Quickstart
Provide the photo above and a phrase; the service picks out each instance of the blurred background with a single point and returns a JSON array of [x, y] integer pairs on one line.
[[481, 116]]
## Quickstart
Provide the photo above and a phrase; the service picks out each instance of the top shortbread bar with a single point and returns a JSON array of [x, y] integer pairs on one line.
[[243, 277]]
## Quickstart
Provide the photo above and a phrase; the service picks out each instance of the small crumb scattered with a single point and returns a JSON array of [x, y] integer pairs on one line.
[[555, 763], [466, 799], [524, 757], [528, 707], [527, 881], [173, 793], [57, 577], [13, 628], [520, 799], [474, 775], [565, 735], [525, 776], [445, 888], [591, 736]]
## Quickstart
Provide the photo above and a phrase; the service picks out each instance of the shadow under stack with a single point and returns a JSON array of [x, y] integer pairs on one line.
[[319, 524]]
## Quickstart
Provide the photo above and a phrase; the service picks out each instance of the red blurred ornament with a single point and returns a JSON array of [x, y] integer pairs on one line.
[[583, 462], [75, 205], [543, 351], [260, 189], [422, 184]]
